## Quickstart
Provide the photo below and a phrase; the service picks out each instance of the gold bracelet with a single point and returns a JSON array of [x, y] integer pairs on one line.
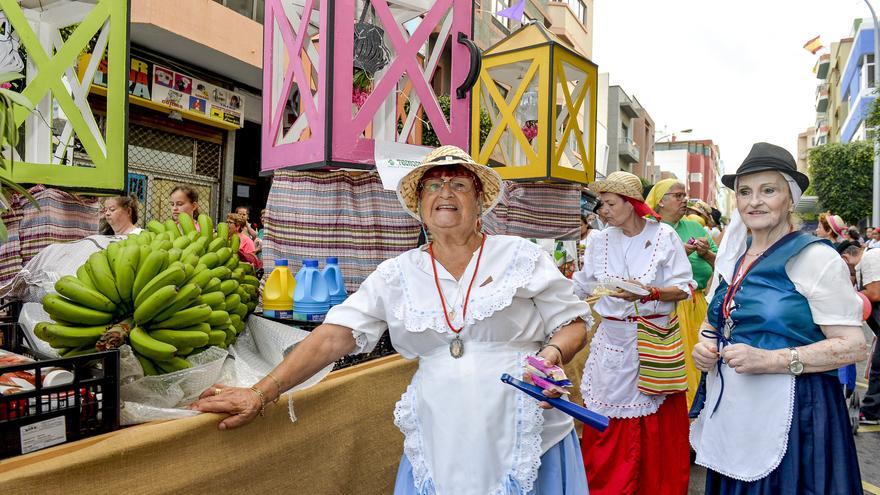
[[262, 397], [277, 387]]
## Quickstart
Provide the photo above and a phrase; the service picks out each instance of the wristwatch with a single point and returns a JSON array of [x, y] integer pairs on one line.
[[795, 366]]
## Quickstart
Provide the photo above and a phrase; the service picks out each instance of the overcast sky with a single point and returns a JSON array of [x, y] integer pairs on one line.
[[735, 71]]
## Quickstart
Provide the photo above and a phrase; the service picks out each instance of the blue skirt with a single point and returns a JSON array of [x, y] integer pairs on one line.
[[821, 455], [561, 472]]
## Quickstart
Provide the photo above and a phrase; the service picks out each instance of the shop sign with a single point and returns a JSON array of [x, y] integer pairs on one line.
[[178, 91]]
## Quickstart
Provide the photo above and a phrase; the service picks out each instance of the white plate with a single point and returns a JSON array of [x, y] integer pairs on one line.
[[627, 286]]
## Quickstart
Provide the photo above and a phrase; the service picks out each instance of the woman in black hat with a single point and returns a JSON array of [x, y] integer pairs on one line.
[[784, 316]]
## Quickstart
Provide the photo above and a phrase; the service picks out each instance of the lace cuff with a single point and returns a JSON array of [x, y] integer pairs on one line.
[[361, 343]]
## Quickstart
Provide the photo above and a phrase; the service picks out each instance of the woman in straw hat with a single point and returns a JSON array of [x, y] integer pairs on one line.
[[469, 307], [784, 315], [635, 372], [831, 227], [669, 198]]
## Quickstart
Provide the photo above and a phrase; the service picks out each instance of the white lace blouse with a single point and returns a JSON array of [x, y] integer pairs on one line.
[[654, 257], [519, 296]]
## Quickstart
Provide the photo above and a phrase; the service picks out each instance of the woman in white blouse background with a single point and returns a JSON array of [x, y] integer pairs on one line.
[[645, 449], [470, 307]]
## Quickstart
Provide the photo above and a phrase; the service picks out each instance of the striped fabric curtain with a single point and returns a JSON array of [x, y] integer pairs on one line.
[[62, 217], [537, 210], [349, 215], [344, 214]]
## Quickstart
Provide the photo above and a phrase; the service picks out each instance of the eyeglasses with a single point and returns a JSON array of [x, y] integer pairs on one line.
[[679, 196], [456, 184]]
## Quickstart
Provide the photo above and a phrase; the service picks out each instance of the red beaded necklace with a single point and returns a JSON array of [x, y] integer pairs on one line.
[[470, 286]]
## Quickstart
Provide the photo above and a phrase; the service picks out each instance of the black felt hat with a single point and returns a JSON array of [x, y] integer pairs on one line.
[[766, 156]]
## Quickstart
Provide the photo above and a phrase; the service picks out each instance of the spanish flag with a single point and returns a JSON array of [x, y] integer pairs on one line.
[[813, 46]]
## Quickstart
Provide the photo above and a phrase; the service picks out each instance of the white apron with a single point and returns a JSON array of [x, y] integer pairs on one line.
[[610, 384], [747, 436], [461, 435]]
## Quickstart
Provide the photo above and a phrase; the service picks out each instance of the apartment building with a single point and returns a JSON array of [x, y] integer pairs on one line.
[[696, 163], [857, 85]]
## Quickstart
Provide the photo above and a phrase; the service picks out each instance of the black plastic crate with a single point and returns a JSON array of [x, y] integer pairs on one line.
[[46, 416]]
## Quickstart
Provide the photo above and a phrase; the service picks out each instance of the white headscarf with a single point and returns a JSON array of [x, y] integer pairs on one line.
[[733, 244]]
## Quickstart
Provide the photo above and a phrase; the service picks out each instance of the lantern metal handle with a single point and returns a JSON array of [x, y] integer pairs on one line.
[[474, 71]]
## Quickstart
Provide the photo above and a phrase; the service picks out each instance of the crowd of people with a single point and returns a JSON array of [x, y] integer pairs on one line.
[[119, 216], [684, 324]]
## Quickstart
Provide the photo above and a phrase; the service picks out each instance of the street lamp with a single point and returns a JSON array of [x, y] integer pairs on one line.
[[683, 131], [875, 203]]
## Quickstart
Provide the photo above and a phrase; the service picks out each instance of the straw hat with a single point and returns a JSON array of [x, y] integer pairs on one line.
[[623, 183], [408, 187]]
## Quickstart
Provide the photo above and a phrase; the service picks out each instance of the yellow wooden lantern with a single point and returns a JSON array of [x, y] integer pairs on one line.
[[541, 98]]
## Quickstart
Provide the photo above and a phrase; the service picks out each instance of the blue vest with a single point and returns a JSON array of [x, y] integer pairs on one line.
[[769, 313]]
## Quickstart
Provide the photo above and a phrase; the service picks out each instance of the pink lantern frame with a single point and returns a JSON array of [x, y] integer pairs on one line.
[[333, 135]]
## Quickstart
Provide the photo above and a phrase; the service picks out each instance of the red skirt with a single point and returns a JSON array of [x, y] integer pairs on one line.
[[646, 455]]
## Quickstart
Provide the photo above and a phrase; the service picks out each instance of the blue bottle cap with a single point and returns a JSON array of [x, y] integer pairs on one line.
[[332, 260], [311, 263], [280, 262]]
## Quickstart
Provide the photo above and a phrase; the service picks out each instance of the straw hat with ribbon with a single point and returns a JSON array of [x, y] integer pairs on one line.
[[629, 187], [837, 224], [491, 185]]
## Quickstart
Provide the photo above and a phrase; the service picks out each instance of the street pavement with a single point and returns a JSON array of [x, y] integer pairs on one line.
[[867, 444]]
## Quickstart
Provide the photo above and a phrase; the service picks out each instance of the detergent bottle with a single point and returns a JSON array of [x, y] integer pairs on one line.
[[311, 299], [332, 275], [278, 292]]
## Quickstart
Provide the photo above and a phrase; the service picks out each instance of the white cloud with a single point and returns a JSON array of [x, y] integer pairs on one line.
[[735, 72]]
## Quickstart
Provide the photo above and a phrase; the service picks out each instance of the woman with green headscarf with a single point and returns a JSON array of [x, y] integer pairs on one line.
[[669, 199]]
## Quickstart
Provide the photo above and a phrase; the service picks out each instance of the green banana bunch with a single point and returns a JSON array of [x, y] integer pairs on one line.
[[61, 309], [182, 287], [102, 276], [78, 292]]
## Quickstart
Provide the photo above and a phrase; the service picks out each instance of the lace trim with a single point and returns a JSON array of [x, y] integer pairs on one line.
[[480, 307], [776, 462], [360, 342], [527, 449], [517, 275], [588, 321], [406, 419]]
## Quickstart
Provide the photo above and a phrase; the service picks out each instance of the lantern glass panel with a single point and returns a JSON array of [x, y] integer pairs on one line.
[[572, 97], [372, 54], [511, 103]]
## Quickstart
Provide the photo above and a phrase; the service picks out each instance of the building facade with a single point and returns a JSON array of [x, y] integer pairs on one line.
[[696, 163], [837, 107], [623, 111], [805, 143], [857, 83], [643, 137]]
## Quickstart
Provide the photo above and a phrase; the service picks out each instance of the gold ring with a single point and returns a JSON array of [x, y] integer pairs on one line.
[[218, 391]]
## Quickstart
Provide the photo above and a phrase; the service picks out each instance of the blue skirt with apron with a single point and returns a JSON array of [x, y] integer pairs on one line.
[[821, 456]]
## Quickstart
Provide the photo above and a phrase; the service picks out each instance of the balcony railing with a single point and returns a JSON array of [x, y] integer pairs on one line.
[[628, 150]]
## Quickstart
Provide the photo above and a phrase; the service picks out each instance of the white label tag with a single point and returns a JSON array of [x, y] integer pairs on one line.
[[394, 160], [43, 434]]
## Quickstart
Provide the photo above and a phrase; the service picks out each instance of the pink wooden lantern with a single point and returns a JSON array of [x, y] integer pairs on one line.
[[318, 114]]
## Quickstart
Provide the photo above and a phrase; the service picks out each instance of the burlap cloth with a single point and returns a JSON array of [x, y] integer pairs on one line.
[[344, 442]]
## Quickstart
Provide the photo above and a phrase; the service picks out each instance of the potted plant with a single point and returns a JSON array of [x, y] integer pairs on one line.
[[361, 87]]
